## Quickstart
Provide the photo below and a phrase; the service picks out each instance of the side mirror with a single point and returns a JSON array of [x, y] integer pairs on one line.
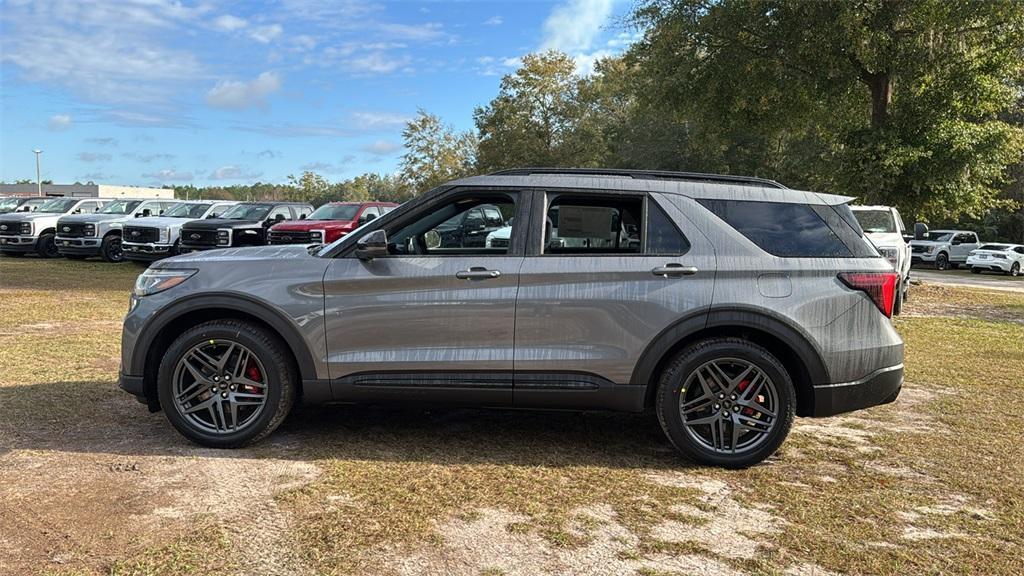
[[302, 216], [279, 218], [372, 245], [920, 231]]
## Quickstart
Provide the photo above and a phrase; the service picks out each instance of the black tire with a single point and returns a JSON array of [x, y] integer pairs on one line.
[[906, 289], [46, 247], [110, 249], [1014, 269], [272, 353], [975, 270], [13, 254], [699, 354], [941, 261]]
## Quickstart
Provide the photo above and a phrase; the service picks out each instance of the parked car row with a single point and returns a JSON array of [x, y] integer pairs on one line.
[[150, 229]]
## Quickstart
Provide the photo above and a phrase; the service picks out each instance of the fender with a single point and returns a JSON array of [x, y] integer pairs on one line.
[[732, 316], [284, 327]]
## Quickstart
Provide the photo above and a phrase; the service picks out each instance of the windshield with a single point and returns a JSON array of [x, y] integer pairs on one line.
[[939, 236], [247, 212], [9, 203], [876, 221], [335, 212], [187, 210], [120, 207], [996, 247], [57, 205]]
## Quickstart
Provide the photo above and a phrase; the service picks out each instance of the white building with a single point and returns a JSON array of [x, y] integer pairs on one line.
[[86, 191]]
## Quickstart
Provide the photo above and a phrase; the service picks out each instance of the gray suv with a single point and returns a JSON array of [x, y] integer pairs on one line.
[[726, 305]]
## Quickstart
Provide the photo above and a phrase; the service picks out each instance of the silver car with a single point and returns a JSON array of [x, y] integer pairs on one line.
[[725, 305]]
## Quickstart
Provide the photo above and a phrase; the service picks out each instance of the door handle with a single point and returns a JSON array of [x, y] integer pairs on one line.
[[674, 270], [477, 273]]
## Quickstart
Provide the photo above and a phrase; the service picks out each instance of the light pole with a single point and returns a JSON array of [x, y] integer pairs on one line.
[[39, 183]]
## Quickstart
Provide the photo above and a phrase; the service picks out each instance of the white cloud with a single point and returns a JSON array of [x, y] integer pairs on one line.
[[304, 42], [238, 95], [94, 156], [264, 34], [168, 175], [232, 172], [494, 21], [229, 23], [103, 141], [378, 120], [59, 122], [416, 32], [381, 147], [376, 63], [573, 26]]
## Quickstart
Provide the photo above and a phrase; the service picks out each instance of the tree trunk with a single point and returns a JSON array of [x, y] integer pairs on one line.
[[881, 96]]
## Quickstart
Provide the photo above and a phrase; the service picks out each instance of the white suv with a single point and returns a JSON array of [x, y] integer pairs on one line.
[[884, 227]]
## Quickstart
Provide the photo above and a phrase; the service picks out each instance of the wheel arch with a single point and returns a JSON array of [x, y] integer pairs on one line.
[[168, 324], [784, 340]]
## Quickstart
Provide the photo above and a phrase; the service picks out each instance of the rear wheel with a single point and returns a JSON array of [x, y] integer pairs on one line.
[[110, 248], [975, 270], [726, 402], [226, 383], [1015, 269], [46, 247], [941, 261]]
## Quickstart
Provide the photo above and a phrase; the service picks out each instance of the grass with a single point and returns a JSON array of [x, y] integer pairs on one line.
[[934, 488]]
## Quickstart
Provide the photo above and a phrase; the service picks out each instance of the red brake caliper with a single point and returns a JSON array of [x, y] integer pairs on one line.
[[252, 373], [742, 387]]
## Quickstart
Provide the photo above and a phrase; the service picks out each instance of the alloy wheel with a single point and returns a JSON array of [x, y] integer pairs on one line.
[[220, 386], [729, 405], [114, 253]]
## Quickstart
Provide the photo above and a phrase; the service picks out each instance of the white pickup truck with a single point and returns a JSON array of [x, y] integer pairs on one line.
[[884, 227]]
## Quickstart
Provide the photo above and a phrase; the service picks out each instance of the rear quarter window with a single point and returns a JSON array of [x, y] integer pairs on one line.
[[781, 229]]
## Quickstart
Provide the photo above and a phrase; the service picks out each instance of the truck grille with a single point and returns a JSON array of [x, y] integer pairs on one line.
[[199, 237], [140, 234], [10, 228], [71, 229], [917, 249], [293, 237]]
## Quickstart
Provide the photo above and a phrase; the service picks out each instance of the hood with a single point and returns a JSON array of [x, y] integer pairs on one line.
[[157, 221], [928, 242], [91, 218], [29, 216], [214, 223], [273, 252], [307, 225]]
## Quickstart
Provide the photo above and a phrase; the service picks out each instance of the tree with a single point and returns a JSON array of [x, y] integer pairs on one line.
[[544, 115], [310, 187], [376, 187], [435, 153], [896, 101]]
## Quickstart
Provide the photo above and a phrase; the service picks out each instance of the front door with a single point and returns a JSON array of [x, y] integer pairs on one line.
[[432, 321], [608, 273]]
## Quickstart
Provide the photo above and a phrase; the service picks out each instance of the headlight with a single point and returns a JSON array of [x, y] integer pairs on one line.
[[317, 236], [164, 236], [89, 230], [224, 237], [26, 227], [930, 249], [152, 281], [890, 253]]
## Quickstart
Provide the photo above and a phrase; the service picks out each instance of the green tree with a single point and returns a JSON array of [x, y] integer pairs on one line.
[[310, 187], [896, 101], [435, 153], [544, 115]]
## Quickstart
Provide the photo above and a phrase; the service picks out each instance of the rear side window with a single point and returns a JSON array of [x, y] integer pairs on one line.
[[662, 235], [593, 225], [782, 229]]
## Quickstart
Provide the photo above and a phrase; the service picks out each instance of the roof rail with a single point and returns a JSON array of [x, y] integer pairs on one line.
[[644, 175]]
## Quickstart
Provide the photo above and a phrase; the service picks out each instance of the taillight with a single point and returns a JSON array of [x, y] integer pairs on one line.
[[880, 286]]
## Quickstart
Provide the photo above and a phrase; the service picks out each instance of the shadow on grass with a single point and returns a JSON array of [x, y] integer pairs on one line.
[[96, 417]]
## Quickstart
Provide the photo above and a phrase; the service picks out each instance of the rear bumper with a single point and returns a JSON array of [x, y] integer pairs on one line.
[[993, 264], [18, 243], [880, 387]]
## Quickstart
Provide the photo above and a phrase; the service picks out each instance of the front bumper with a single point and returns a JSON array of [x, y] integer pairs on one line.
[[78, 246], [18, 243], [880, 387], [994, 264], [186, 248], [918, 257], [145, 252]]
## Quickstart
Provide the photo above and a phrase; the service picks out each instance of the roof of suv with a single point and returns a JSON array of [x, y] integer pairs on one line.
[[693, 185]]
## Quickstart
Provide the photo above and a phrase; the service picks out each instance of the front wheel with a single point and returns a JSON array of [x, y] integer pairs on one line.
[[46, 246], [726, 402], [226, 383], [110, 249], [941, 262]]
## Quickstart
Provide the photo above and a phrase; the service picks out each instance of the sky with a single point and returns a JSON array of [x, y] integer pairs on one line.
[[162, 92]]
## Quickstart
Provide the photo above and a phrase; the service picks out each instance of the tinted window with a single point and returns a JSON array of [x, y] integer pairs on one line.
[[782, 229], [996, 247], [877, 221], [662, 235], [454, 228], [593, 225], [281, 211], [335, 212]]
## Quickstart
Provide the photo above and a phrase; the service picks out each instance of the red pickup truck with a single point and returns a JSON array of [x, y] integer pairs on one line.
[[328, 222]]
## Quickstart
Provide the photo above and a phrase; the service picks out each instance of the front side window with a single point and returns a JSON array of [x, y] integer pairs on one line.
[[782, 229], [281, 212], [335, 212], [593, 225], [457, 227], [187, 210], [57, 205], [120, 207], [247, 212]]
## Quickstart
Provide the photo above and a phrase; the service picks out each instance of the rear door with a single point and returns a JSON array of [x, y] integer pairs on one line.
[[432, 321], [605, 274]]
